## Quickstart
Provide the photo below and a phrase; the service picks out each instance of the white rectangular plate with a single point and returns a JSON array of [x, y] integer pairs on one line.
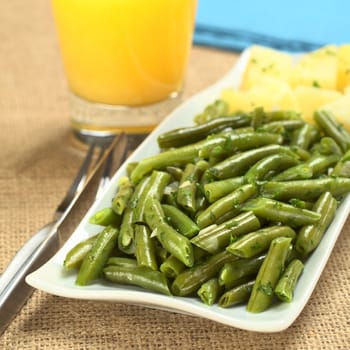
[[51, 277]]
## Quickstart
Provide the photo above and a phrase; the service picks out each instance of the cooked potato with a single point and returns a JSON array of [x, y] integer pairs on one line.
[[343, 67], [318, 69], [266, 62], [341, 109], [311, 98]]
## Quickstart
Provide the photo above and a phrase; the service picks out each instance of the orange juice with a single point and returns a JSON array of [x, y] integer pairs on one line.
[[125, 52]]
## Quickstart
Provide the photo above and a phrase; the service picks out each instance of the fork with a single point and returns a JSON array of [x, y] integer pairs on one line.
[[13, 290]]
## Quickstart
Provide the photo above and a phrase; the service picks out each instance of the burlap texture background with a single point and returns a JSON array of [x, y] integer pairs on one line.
[[37, 163]]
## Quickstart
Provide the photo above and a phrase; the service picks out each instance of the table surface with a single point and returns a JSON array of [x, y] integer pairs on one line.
[[38, 160]]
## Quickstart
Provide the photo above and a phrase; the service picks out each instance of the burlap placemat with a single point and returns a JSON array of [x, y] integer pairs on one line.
[[38, 161]]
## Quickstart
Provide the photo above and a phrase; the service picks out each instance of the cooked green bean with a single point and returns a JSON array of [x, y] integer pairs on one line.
[[121, 261], [327, 122], [172, 267], [145, 250], [121, 199], [210, 291], [155, 188], [256, 242], [286, 284], [139, 276], [277, 211], [177, 156], [214, 240], [232, 201], [214, 110], [185, 225], [235, 271], [94, 261], [342, 168], [298, 172], [287, 125], [227, 145], [309, 189], [305, 136], [183, 136], [105, 217], [218, 189], [268, 275], [310, 236], [175, 172], [175, 243], [186, 193], [236, 295], [188, 281], [76, 255], [327, 146], [126, 233], [268, 166], [239, 163]]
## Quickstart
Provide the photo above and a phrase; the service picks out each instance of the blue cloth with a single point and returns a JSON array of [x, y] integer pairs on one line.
[[292, 25]]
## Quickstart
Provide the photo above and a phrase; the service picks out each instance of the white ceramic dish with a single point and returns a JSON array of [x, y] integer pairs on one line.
[[51, 277]]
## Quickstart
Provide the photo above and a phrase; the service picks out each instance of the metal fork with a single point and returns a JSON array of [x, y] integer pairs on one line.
[[13, 290], [29, 247]]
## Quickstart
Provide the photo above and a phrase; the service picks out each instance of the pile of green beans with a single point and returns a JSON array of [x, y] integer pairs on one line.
[[228, 211]]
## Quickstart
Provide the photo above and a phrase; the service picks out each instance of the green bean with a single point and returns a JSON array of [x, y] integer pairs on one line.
[[268, 165], [305, 136], [105, 217], [175, 172], [287, 125], [305, 189], [232, 201], [281, 115], [210, 291], [229, 144], [342, 168], [174, 242], [242, 268], [76, 255], [310, 236], [319, 164], [286, 284], [94, 261], [268, 275], [178, 156], [183, 136], [216, 239], [130, 166], [155, 188], [186, 193], [185, 225], [121, 261], [172, 267], [277, 211], [126, 233], [139, 276], [255, 243], [145, 248], [214, 110], [188, 281], [218, 189], [298, 172], [239, 163], [327, 146], [327, 122], [123, 195], [236, 295]]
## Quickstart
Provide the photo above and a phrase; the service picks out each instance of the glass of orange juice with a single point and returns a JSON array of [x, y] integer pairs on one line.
[[125, 60]]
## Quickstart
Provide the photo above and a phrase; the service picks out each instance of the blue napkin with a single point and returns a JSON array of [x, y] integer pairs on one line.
[[294, 25]]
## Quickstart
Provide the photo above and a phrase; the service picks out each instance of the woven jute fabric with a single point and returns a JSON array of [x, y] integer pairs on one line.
[[38, 159]]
